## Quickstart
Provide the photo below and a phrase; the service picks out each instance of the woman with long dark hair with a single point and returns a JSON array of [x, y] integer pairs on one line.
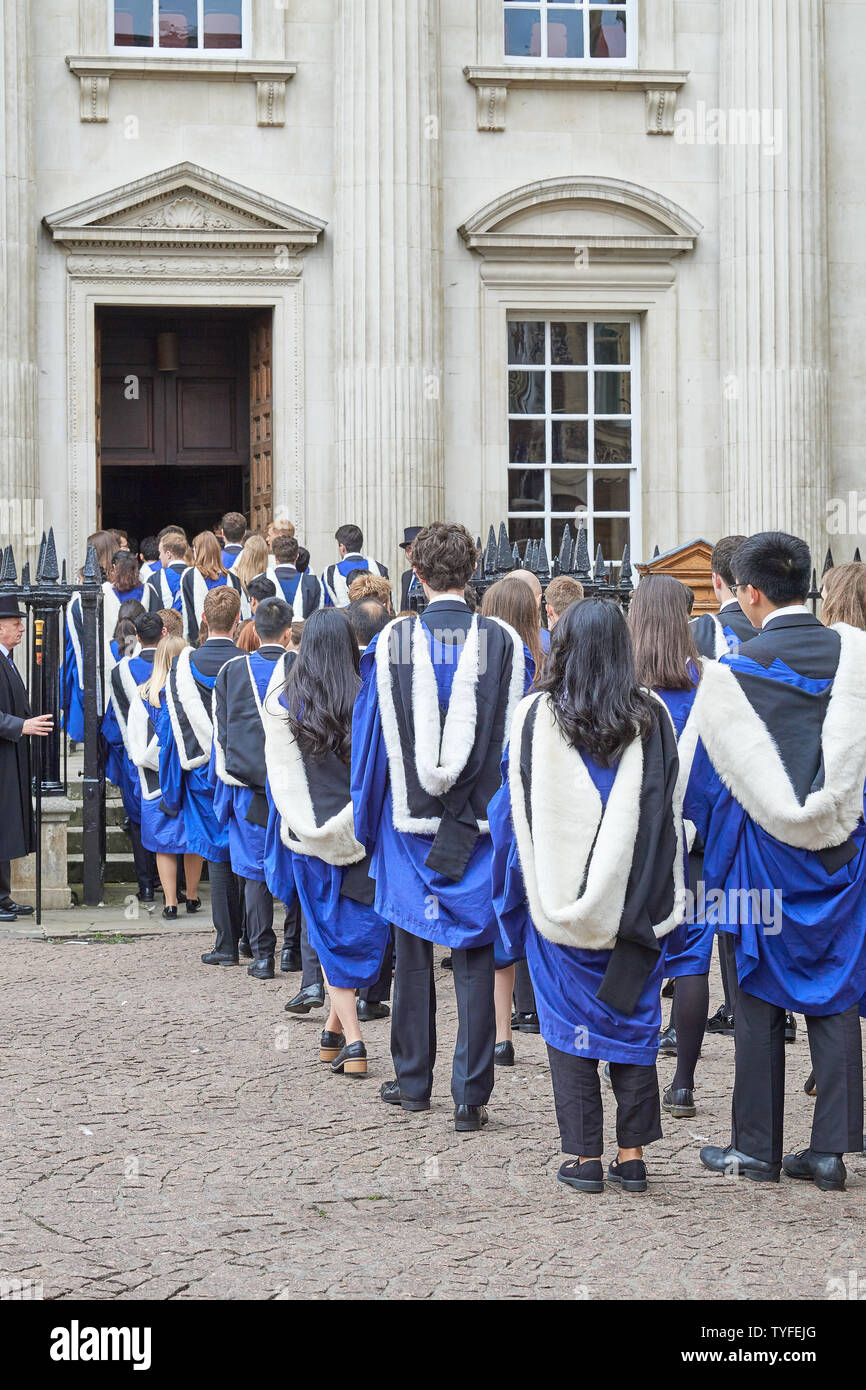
[[310, 849], [588, 880], [667, 661]]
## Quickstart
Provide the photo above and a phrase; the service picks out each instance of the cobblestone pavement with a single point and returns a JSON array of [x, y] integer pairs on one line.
[[166, 1131]]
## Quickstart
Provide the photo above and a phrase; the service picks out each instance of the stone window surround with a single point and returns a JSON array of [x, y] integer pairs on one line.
[[493, 76], [542, 276], [96, 65], [174, 258]]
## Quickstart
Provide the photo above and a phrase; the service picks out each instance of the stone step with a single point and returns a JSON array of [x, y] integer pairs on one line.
[[115, 814], [116, 840], [118, 868]]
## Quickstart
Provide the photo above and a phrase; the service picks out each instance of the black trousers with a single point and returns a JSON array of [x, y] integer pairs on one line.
[[143, 859], [311, 970], [579, 1114], [259, 919], [380, 991], [728, 964], [524, 994], [292, 926], [225, 908], [413, 1020], [758, 1110], [5, 881]]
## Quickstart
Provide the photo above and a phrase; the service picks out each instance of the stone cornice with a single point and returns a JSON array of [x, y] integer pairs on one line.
[[492, 85], [95, 74]]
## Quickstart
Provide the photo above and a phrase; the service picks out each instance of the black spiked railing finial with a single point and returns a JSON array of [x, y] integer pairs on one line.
[[828, 562], [25, 575], [478, 576], [625, 570], [857, 560], [41, 559], [581, 563], [600, 575], [515, 557], [504, 558], [542, 564], [91, 575], [563, 559], [490, 552], [9, 574], [656, 553], [50, 569]]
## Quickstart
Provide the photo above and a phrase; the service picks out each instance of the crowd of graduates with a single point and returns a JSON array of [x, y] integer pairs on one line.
[[579, 804]]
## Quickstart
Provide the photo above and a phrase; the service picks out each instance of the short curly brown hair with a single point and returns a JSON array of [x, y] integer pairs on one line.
[[444, 556]]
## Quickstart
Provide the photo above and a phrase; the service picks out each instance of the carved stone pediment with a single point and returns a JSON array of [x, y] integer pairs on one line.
[[183, 206]]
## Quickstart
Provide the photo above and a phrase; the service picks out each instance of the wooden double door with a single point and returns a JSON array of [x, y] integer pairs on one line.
[[183, 421]]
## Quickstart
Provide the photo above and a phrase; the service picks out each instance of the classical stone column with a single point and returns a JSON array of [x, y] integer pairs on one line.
[[19, 477], [774, 273], [388, 269]]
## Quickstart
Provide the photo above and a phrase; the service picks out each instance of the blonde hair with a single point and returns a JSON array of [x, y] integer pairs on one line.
[[171, 621], [371, 586], [252, 561], [166, 650], [845, 587], [208, 556]]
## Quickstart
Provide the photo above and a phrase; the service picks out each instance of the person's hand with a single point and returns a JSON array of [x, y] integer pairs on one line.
[[40, 724]]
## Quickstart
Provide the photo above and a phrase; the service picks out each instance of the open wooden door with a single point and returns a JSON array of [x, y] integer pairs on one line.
[[98, 375], [261, 412]]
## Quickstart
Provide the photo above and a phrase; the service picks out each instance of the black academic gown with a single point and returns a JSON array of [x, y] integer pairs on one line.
[[17, 836]]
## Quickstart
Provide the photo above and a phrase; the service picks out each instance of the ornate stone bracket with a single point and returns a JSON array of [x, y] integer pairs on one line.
[[95, 75], [492, 85]]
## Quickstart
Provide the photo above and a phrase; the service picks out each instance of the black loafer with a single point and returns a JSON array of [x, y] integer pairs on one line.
[[193, 905], [330, 1045], [469, 1117], [290, 960], [390, 1094], [19, 909], [8, 916], [145, 893], [790, 1028], [524, 1023], [503, 1054], [369, 1010], [668, 1042], [679, 1104], [170, 914], [585, 1177], [739, 1165], [629, 1176], [721, 1023], [352, 1061], [262, 969], [310, 998], [217, 958], [826, 1171], [446, 963]]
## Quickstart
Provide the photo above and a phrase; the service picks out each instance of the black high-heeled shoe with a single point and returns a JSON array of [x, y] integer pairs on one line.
[[193, 904], [170, 914], [352, 1060]]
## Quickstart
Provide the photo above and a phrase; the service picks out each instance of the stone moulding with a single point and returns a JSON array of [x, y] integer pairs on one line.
[[492, 85], [95, 75], [660, 228]]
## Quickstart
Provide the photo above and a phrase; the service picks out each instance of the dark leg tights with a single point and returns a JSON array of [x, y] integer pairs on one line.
[[691, 1002]]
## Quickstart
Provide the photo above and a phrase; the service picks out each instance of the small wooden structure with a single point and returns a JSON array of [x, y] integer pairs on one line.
[[690, 563]]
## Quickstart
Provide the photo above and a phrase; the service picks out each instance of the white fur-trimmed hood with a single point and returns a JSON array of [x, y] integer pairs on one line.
[[746, 759], [190, 697]]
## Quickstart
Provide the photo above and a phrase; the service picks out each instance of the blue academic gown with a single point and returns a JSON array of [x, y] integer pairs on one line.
[[119, 767], [566, 978], [162, 833], [73, 695], [230, 554], [349, 938], [191, 792], [816, 963], [689, 947], [230, 804], [345, 567], [458, 914]]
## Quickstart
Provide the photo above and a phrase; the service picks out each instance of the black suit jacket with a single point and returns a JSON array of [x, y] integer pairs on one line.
[[405, 583], [16, 822]]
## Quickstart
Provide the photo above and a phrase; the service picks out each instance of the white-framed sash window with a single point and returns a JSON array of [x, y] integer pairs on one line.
[[182, 28]]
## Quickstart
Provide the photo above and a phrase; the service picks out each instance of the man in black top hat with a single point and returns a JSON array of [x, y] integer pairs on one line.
[[409, 534], [17, 837]]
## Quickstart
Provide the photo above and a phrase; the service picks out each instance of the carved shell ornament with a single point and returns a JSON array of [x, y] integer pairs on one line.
[[185, 214]]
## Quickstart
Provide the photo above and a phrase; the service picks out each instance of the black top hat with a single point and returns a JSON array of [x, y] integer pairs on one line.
[[9, 607], [409, 534]]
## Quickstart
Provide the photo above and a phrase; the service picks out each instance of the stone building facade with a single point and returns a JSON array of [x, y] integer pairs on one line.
[[478, 258]]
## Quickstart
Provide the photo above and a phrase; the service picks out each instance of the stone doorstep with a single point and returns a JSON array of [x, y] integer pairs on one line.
[[57, 926]]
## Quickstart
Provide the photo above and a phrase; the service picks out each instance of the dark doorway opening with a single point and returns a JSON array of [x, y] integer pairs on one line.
[[174, 418]]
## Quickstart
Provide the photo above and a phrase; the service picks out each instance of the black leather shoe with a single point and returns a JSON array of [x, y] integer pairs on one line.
[[467, 1117], [668, 1042], [389, 1092], [446, 963], [629, 1176], [585, 1177], [679, 1104], [145, 890], [245, 950], [721, 1023], [262, 969], [826, 1171], [8, 916], [735, 1164], [668, 989], [525, 1023], [790, 1028], [313, 997], [330, 1045], [170, 914], [352, 1061], [217, 958], [503, 1054], [17, 909], [369, 1010], [193, 905], [290, 960]]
